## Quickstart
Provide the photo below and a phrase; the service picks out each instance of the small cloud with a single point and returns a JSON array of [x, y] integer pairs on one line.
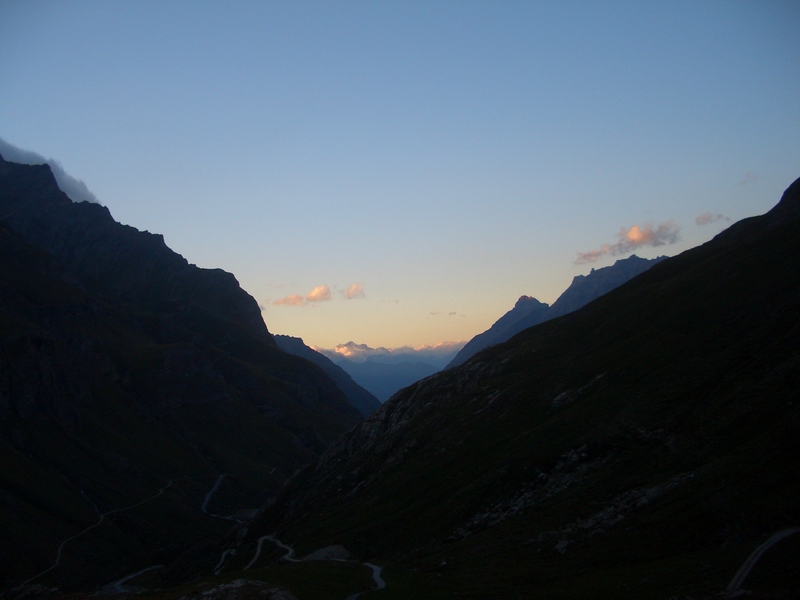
[[633, 238], [749, 176], [707, 218], [321, 293], [291, 300], [356, 290]]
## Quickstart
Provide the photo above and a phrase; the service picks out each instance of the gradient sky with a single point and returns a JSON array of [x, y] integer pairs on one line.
[[444, 157]]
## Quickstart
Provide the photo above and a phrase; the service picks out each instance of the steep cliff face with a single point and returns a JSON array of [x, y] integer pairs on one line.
[[121, 262], [651, 435], [124, 370]]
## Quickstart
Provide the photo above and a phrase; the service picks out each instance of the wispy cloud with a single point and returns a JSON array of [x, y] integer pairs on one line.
[[748, 177], [75, 189], [356, 290], [632, 238], [291, 300], [708, 217]]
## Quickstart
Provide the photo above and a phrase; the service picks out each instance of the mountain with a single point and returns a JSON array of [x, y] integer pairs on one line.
[[642, 446], [140, 395], [528, 311], [384, 371], [358, 397]]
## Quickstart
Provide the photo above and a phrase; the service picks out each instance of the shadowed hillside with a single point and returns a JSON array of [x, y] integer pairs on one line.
[[131, 378]]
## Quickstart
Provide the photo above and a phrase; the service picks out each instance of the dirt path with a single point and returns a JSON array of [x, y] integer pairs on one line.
[[380, 583], [118, 588]]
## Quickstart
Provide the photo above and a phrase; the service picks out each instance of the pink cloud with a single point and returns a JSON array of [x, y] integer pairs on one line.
[[321, 293], [356, 290]]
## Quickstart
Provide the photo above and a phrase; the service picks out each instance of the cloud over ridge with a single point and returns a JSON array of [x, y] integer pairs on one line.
[[632, 238], [75, 189]]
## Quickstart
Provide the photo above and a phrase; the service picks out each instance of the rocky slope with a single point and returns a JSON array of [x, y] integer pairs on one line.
[[640, 447]]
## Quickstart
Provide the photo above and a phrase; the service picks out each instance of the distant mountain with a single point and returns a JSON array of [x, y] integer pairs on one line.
[[528, 311], [437, 355], [383, 371], [129, 377], [642, 446], [384, 379], [361, 399]]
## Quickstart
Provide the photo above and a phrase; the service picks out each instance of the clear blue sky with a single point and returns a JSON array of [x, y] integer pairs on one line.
[[446, 157]]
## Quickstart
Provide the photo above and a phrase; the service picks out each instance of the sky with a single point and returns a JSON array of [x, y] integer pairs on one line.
[[397, 172]]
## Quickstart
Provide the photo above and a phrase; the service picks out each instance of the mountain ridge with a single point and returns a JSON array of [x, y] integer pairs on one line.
[[528, 311]]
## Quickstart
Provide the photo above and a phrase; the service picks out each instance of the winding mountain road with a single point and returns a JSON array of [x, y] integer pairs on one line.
[[100, 520], [380, 583], [747, 566]]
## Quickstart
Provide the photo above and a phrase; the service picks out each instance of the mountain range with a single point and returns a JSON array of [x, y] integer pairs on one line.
[[643, 446], [384, 371]]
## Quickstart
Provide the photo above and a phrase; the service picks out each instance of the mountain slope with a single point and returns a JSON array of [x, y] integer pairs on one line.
[[130, 378], [528, 311], [358, 397], [640, 447]]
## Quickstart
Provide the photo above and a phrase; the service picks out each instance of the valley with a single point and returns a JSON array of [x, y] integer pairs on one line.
[[158, 440]]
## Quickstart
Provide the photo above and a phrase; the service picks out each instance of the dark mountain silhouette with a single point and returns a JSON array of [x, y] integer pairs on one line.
[[360, 398], [528, 311], [128, 374], [640, 447]]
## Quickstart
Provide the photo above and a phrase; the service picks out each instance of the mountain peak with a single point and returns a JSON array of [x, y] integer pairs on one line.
[[527, 301]]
